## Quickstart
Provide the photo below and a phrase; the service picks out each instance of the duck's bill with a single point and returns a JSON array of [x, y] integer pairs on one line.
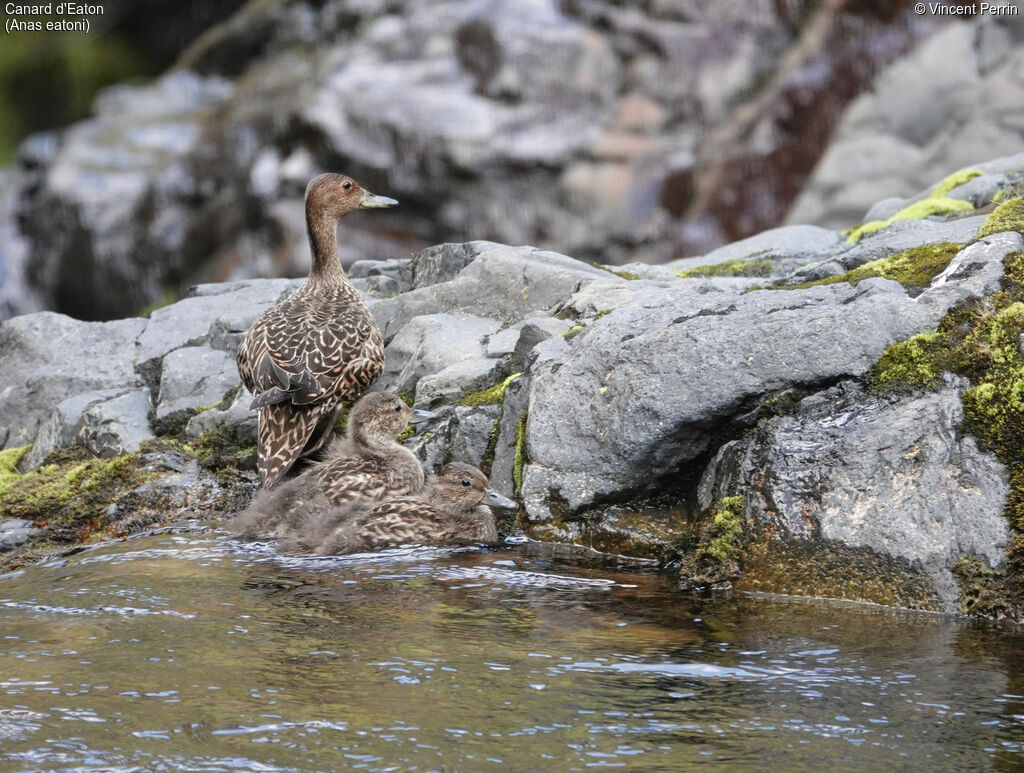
[[419, 416], [372, 201], [492, 497]]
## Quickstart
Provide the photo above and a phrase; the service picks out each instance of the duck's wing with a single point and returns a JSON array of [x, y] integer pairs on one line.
[[307, 353]]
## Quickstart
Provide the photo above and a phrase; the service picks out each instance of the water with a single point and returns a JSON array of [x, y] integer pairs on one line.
[[186, 651]]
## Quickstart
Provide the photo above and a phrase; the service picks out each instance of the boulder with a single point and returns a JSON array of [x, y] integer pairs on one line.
[[644, 390], [895, 476], [195, 377], [46, 358]]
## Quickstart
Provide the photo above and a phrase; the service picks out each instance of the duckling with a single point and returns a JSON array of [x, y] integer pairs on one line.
[[451, 510], [378, 467], [311, 354]]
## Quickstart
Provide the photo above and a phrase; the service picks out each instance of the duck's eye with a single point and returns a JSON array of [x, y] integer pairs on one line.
[[465, 482], [346, 185], [398, 408]]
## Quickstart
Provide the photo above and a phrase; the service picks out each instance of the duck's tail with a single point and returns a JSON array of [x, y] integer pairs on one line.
[[284, 431]]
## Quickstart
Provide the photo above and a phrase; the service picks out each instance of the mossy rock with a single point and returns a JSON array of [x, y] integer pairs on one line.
[[979, 340], [68, 494], [1008, 216], [493, 395], [715, 559], [914, 268], [930, 207], [752, 267]]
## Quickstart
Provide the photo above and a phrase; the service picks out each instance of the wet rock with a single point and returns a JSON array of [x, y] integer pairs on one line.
[[49, 357], [896, 477], [15, 532], [430, 343], [503, 469], [195, 377]]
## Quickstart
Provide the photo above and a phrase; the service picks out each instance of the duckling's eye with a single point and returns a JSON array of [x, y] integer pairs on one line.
[[346, 185], [465, 482], [398, 408]]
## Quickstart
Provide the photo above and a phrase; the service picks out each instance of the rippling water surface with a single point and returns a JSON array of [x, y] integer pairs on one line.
[[186, 651]]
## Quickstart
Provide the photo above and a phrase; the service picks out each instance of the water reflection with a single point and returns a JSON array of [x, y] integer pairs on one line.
[[189, 651]]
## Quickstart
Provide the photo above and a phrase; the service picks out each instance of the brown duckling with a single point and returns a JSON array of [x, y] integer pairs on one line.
[[378, 467], [451, 510], [311, 354]]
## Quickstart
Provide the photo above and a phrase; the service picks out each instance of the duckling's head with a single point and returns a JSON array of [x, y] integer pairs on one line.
[[332, 195], [378, 417], [461, 487]]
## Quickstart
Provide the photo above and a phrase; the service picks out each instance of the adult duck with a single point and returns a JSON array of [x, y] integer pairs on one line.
[[313, 353]]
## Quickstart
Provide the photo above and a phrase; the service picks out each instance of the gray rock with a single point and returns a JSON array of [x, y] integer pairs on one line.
[[524, 278], [47, 357], [400, 271], [237, 415], [15, 532], [786, 248], [432, 444], [884, 209], [447, 386], [195, 377], [896, 477], [532, 333], [503, 343], [443, 262], [61, 427], [640, 392], [974, 272], [906, 234], [430, 343], [116, 426], [472, 432]]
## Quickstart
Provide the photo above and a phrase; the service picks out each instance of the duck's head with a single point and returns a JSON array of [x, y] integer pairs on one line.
[[333, 195], [461, 487], [379, 417]]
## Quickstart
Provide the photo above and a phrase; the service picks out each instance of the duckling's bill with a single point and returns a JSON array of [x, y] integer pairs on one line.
[[373, 201], [419, 416], [492, 497]]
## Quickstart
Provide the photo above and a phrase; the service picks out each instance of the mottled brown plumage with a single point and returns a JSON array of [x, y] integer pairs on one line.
[[377, 467], [313, 353], [451, 510]]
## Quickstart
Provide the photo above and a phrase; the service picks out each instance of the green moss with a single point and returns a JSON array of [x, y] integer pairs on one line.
[[9, 461], [572, 332], [406, 433], [624, 274], [1008, 216], [935, 205], [520, 457], [220, 448], [908, 366], [740, 267], [955, 180], [914, 268], [67, 494], [408, 398], [713, 553], [493, 395]]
